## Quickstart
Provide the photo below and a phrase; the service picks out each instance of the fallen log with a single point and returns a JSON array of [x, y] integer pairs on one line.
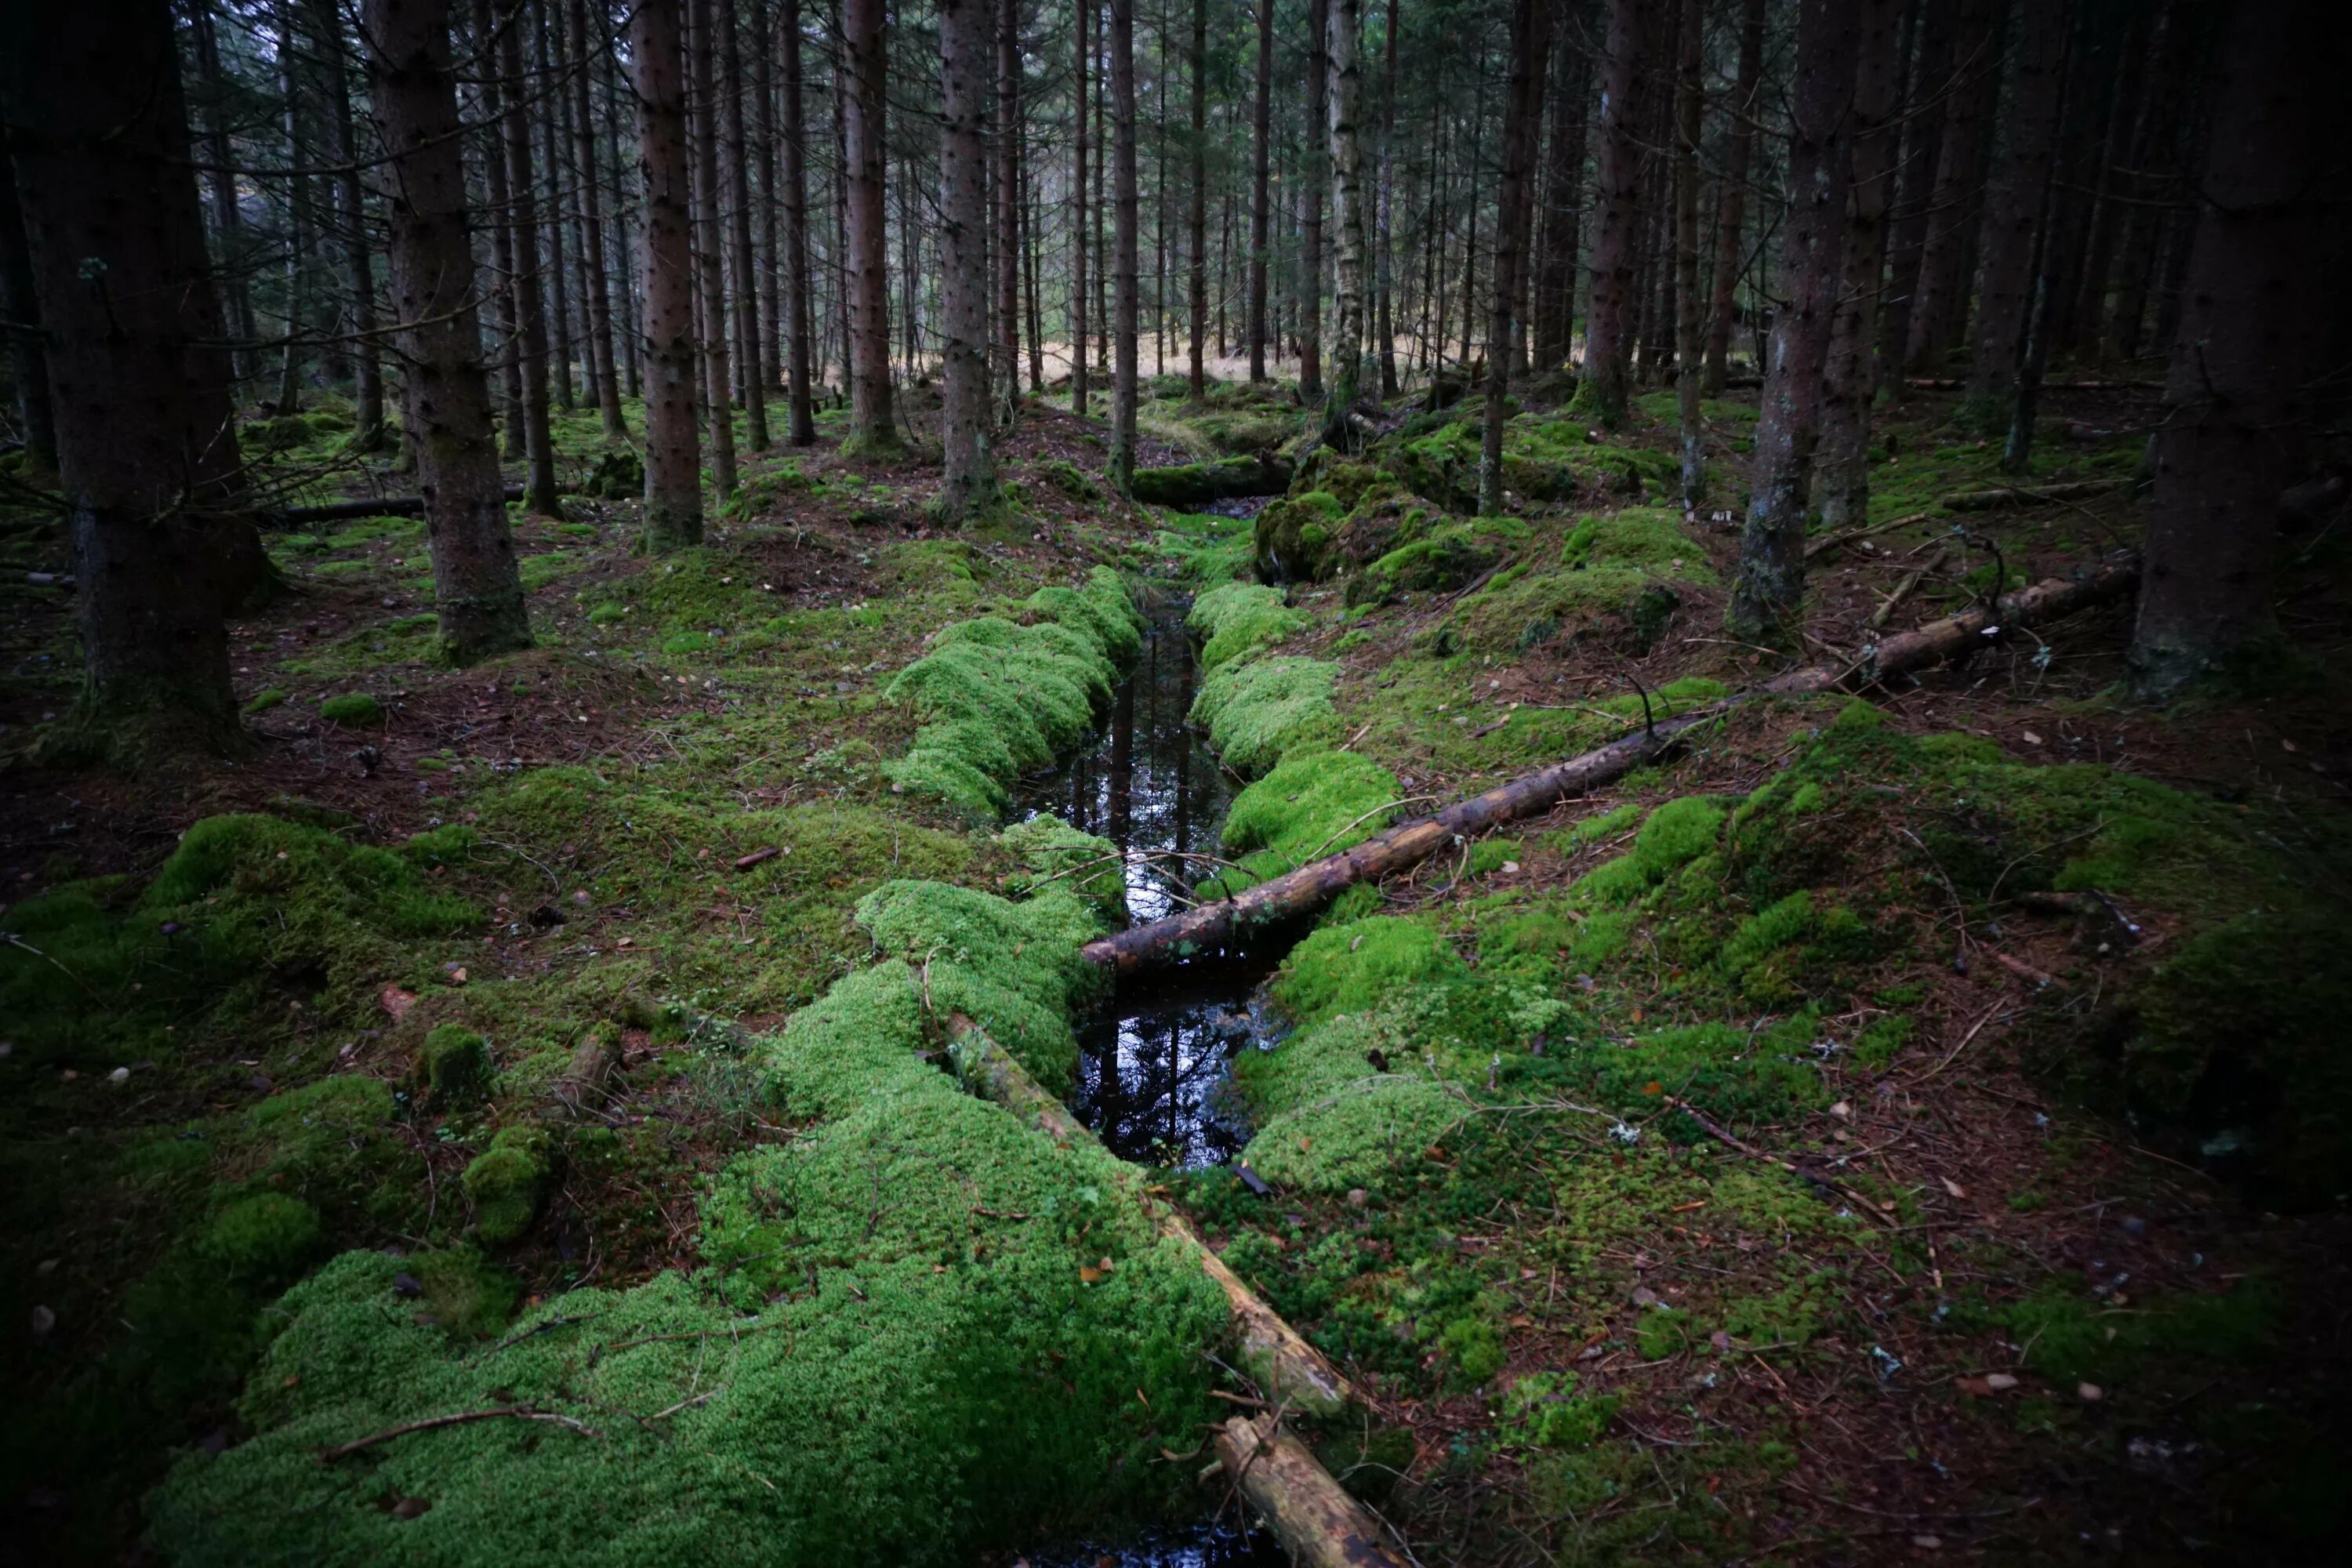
[[346, 510], [1906, 587], [1847, 536], [2029, 495], [1270, 1350], [1210, 928], [1194, 484], [1321, 1524]]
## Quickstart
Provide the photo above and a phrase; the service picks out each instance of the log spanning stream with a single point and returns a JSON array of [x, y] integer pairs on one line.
[[1152, 1062]]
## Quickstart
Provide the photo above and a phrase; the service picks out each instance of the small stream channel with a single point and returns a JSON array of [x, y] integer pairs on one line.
[[1153, 1060]]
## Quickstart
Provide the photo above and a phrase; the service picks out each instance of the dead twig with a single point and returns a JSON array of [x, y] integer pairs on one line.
[[459, 1419]]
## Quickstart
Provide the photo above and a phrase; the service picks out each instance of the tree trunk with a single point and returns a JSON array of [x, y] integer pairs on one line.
[[1123, 387], [1851, 383], [1383, 243], [764, 166], [1261, 201], [968, 488], [592, 228], [1311, 188], [799, 393], [445, 402], [1929, 82], [2087, 315], [2242, 386], [1563, 205], [1199, 150], [146, 454], [1005, 362], [551, 143], [1522, 117], [1689, 322], [1768, 601], [530, 312], [1610, 318], [506, 332], [874, 429], [742, 273], [673, 443], [625, 327], [1731, 209], [2014, 206], [1082, 31], [710, 250], [20, 308], [350, 218], [1347, 216], [1939, 308], [299, 222], [230, 264]]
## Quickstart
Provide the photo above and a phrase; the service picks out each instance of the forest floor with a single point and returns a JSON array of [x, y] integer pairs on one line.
[[1901, 1130]]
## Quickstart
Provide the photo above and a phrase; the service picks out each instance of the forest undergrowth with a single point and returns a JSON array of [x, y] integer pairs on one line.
[[1897, 1126]]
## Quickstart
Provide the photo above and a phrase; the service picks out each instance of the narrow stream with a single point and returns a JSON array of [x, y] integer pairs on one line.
[[1152, 1065], [1152, 1061]]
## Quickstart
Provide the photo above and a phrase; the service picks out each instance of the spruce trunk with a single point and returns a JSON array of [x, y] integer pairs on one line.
[[673, 442]]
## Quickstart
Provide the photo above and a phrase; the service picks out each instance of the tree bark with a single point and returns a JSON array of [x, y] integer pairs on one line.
[[1199, 226], [446, 403], [2244, 382], [874, 429], [1311, 207], [350, 218], [1689, 322], [1768, 600], [1261, 202], [2156, 140], [1555, 264], [1851, 382], [552, 154], [1005, 362], [299, 220], [673, 443], [1347, 216], [506, 330], [799, 395], [1930, 82], [1319, 1525], [1732, 209], [1522, 117], [1610, 318], [1939, 310], [147, 457], [227, 218], [530, 309], [742, 273], [968, 488], [1383, 244], [20, 310], [1082, 32], [2014, 206], [592, 228], [1223, 927], [762, 46], [710, 250], [1126, 284]]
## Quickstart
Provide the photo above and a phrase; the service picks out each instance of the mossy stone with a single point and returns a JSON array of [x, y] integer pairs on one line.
[[265, 1238], [454, 1066], [507, 1183], [352, 711]]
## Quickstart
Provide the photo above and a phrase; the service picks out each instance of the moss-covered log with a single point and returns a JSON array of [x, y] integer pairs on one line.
[[1210, 928], [1195, 484], [2029, 495], [1321, 1525]]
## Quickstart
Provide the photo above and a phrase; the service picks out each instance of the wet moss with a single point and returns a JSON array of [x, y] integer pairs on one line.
[[1294, 536], [507, 1183], [454, 1066], [1314, 803], [1257, 710], [352, 711], [1240, 619], [266, 1237]]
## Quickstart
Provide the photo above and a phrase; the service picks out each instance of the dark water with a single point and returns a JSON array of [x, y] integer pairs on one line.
[[1204, 1546], [1151, 1072]]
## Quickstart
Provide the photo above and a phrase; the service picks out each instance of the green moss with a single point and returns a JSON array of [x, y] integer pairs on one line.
[[1474, 1349], [352, 711], [1294, 535], [1448, 556], [1314, 803], [1489, 854], [1665, 1331], [263, 702], [507, 1183], [1544, 1410], [454, 1065], [1349, 968], [1070, 479], [1238, 619], [464, 1292], [1053, 852], [2070, 1339], [267, 1236], [1256, 711]]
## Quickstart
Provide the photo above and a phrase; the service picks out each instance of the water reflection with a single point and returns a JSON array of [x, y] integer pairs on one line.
[[1208, 1546], [1151, 1076]]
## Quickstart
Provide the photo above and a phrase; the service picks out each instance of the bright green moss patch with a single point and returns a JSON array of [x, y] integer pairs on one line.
[[267, 1236], [454, 1065], [263, 702], [1238, 619], [352, 711], [1349, 968], [1052, 852], [1314, 803], [1257, 710], [507, 1183], [1294, 534]]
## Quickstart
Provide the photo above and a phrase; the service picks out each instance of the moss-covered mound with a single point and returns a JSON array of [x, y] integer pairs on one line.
[[1542, 461], [1238, 619], [1622, 574], [1257, 709], [927, 1332], [1314, 803], [996, 697]]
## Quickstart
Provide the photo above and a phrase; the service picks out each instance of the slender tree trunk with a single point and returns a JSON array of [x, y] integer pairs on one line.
[[1310, 206], [2241, 390], [709, 248], [445, 402], [298, 221], [1849, 384], [968, 488], [1199, 214], [1347, 217], [844, 299], [1768, 599], [20, 310], [1005, 362], [551, 143], [626, 325], [350, 218], [2086, 314], [1610, 318], [874, 427], [673, 443], [1082, 30], [1261, 123], [743, 277], [1731, 210], [1564, 202], [1123, 387], [505, 329], [1689, 322], [763, 169], [538, 446], [799, 393], [1034, 304], [146, 453], [592, 229], [2156, 140], [1522, 117], [1940, 303], [1930, 82], [228, 219], [2014, 206]]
